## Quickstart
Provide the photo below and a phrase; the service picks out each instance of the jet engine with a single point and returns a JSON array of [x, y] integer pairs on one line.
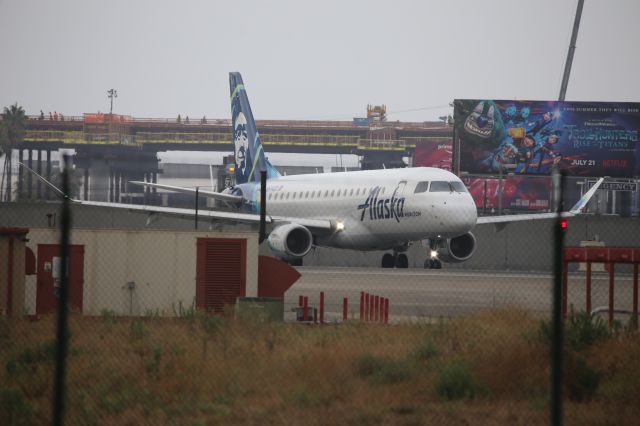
[[290, 240], [458, 249]]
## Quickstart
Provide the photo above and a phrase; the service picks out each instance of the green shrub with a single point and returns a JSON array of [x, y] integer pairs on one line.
[[581, 381], [136, 330], [455, 381], [581, 330], [14, 408], [426, 351], [381, 370]]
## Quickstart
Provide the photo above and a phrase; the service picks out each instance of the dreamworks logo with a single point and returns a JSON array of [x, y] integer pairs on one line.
[[383, 208]]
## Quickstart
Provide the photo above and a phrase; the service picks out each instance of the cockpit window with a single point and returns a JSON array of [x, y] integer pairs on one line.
[[440, 186], [458, 186], [421, 187]]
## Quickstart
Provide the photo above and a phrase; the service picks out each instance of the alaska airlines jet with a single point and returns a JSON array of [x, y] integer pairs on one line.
[[359, 210]]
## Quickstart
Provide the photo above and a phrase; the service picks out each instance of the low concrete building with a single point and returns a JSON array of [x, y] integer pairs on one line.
[[131, 272]]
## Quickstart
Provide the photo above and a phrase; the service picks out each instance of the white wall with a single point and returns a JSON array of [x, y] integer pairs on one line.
[[162, 264]]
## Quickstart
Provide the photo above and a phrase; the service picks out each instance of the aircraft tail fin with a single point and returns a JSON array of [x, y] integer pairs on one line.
[[249, 154], [582, 202]]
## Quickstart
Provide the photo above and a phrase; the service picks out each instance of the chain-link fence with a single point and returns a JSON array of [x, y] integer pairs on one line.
[[173, 321]]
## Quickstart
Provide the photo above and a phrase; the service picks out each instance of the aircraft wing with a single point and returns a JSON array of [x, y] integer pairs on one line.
[[313, 224], [576, 209], [210, 194]]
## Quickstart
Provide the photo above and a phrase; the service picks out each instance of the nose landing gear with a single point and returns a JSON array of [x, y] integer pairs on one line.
[[432, 261]]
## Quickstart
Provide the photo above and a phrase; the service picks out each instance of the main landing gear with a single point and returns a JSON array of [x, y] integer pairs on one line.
[[398, 260]]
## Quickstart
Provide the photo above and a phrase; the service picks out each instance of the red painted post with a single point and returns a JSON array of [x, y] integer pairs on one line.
[[565, 280], [361, 305], [589, 287], [381, 310], [386, 311], [322, 307], [345, 309], [366, 306], [376, 305], [635, 294], [611, 279], [305, 304], [315, 315], [300, 299]]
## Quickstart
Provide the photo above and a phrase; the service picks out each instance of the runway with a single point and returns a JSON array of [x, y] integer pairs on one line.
[[417, 293]]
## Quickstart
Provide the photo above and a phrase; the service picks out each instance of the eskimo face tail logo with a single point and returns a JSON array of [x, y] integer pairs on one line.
[[241, 143], [382, 208]]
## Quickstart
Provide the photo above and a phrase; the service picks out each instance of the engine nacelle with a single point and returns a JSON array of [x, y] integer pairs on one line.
[[458, 249], [290, 240]]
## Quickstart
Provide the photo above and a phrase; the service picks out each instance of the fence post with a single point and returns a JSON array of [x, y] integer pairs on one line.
[[635, 294], [63, 309], [589, 287], [366, 306], [345, 309], [361, 305], [322, 307], [305, 304], [376, 305], [386, 311], [612, 267], [558, 303]]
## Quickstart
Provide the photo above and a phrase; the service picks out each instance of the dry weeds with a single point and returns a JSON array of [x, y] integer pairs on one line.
[[204, 370]]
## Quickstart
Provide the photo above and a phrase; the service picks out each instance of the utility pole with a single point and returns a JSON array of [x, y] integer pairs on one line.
[[112, 93], [572, 48]]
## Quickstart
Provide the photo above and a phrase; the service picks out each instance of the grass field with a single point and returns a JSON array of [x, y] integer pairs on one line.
[[489, 369]]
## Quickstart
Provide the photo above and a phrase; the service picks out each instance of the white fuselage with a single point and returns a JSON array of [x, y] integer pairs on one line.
[[379, 209]]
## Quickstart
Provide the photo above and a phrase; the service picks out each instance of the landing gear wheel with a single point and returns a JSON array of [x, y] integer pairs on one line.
[[433, 264], [387, 260], [402, 261]]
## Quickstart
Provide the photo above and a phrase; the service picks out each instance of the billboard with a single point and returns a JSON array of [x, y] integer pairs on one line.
[[519, 193], [434, 154], [531, 137]]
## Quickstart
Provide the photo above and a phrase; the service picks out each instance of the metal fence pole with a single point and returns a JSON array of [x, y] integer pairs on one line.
[[63, 310], [557, 326]]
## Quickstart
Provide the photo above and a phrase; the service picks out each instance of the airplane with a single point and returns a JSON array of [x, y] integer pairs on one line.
[[365, 210]]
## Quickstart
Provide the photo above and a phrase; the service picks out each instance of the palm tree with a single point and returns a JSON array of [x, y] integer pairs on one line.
[[12, 130]]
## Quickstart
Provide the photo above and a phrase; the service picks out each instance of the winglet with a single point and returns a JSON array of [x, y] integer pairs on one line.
[[582, 202], [46, 182]]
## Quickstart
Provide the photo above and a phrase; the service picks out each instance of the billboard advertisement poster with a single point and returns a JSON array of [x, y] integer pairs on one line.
[[520, 193], [434, 154], [531, 137]]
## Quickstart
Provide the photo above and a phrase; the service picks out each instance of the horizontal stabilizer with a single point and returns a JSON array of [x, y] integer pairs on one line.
[[217, 195]]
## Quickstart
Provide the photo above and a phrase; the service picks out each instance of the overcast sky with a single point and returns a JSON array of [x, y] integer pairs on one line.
[[310, 60]]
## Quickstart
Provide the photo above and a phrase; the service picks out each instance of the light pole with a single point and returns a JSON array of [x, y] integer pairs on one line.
[[112, 93]]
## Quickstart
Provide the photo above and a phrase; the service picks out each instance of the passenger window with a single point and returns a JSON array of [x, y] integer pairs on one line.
[[269, 197], [421, 187], [357, 191], [306, 194], [440, 186], [351, 192], [293, 195], [458, 186], [326, 193], [287, 195], [333, 192]]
